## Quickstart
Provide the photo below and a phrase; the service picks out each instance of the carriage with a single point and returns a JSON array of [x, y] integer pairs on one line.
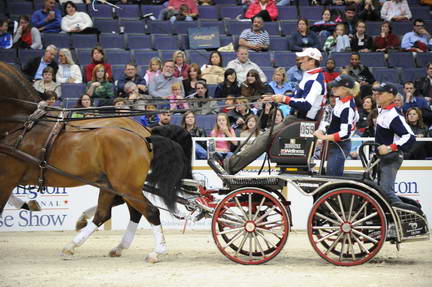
[[349, 221]]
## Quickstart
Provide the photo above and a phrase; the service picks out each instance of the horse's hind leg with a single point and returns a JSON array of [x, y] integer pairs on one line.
[[103, 213], [129, 235]]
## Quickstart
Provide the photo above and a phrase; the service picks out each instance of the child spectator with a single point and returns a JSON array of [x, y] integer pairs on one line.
[[189, 124], [154, 69], [222, 129], [6, 41], [338, 42], [99, 87], [253, 87], [176, 96], [361, 42]]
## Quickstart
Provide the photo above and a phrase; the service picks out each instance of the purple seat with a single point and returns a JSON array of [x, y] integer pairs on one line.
[[373, 59], [224, 2], [230, 12], [288, 27], [117, 56], [421, 12], [160, 27], [423, 59], [138, 41], [155, 9], [9, 56], [373, 28], [211, 90], [225, 40], [401, 28], [219, 24], [109, 40], [106, 25], [20, 8], [142, 57], [401, 60], [209, 12], [131, 11], [182, 27], [341, 59], [166, 54], [287, 13], [278, 43], [133, 26], [26, 55], [284, 59], [118, 71], [184, 42], [60, 40], [102, 11], [237, 27], [228, 56], [273, 28], [83, 40], [83, 56], [311, 13], [200, 57], [386, 75], [268, 71], [73, 91], [412, 74], [165, 42]]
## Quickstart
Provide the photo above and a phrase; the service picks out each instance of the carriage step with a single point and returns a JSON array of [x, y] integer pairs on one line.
[[251, 180], [413, 224]]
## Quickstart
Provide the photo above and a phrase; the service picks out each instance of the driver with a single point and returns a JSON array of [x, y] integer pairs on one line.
[[305, 105]]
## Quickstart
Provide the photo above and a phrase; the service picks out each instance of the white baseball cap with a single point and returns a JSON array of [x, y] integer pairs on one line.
[[313, 53]]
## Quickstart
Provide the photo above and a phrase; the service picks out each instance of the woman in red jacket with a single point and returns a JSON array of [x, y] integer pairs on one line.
[[386, 40], [98, 57], [267, 9]]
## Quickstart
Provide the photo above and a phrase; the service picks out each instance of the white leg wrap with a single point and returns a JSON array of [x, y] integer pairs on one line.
[[90, 212], [159, 239], [85, 233], [129, 235], [15, 201]]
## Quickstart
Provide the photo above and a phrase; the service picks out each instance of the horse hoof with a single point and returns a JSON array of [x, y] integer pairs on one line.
[[152, 258], [67, 254], [115, 253], [33, 205], [81, 223]]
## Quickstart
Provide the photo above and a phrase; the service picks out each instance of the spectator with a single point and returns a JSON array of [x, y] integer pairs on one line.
[[229, 87], [160, 86], [136, 100], [238, 115], [131, 75], [98, 57], [279, 84], [184, 14], [75, 21], [229, 104], [154, 69], [303, 38], [176, 96], [26, 36], [151, 118], [386, 41], [371, 124], [213, 72], [173, 9], [243, 64], [413, 100], [206, 106], [99, 87], [255, 38], [266, 122], [250, 128], [395, 10], [419, 40], [361, 42], [50, 97], [6, 40], [222, 129], [415, 120], [193, 76], [189, 124], [266, 9], [120, 105], [33, 69], [85, 101], [181, 66], [423, 85], [164, 120], [295, 74], [369, 10], [325, 27], [252, 88], [329, 72], [368, 104], [47, 83], [361, 74], [68, 71], [338, 42], [47, 19], [350, 19], [75, 1], [398, 101]]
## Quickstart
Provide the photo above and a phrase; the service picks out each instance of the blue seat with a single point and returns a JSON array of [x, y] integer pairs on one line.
[[288, 27], [117, 56], [341, 59], [184, 42], [228, 56], [422, 12], [237, 27], [219, 24], [262, 59], [287, 13], [208, 12], [166, 54], [278, 43], [106, 25], [165, 42], [72, 90], [83, 56], [373, 28], [386, 75], [373, 59], [199, 57], [401, 28], [118, 71], [182, 27], [230, 12], [138, 41], [20, 8], [84, 40], [206, 122], [401, 60], [109, 40], [26, 55], [223, 2], [225, 40], [60, 40], [412, 74], [423, 59], [69, 102], [142, 57], [130, 11], [273, 28], [160, 27], [8, 55], [284, 59], [268, 72], [211, 90], [102, 11], [133, 26], [155, 9], [311, 13]]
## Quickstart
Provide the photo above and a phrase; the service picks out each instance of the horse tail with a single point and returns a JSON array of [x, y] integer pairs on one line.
[[167, 168], [183, 138]]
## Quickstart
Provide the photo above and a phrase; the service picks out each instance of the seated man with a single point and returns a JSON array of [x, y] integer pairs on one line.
[[305, 105], [242, 64], [33, 69], [48, 19], [173, 9], [255, 38], [131, 75], [419, 40]]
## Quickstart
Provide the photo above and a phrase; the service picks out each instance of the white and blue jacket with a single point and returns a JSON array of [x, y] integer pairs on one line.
[[344, 119]]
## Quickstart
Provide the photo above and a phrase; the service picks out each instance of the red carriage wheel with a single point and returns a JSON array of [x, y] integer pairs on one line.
[[347, 227], [250, 226]]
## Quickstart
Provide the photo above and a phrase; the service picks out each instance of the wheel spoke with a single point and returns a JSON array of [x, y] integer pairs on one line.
[[235, 237], [270, 222], [250, 246], [259, 244], [327, 236], [327, 218], [250, 206], [333, 211], [351, 207], [341, 207], [220, 219], [365, 218], [242, 243], [229, 212], [269, 244], [267, 213], [364, 235], [229, 230], [325, 227], [240, 207], [351, 247], [343, 247], [368, 227], [361, 245], [359, 211], [259, 208], [334, 243]]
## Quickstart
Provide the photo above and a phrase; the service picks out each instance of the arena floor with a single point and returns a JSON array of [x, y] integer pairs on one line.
[[32, 259]]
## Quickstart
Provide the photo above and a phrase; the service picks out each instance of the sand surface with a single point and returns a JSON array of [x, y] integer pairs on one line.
[[32, 259]]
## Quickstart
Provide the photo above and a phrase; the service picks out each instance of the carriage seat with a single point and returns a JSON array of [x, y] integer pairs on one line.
[[293, 146]]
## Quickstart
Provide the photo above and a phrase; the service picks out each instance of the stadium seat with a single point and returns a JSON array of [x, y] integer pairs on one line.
[[84, 40], [130, 11], [83, 56], [118, 71], [273, 28], [60, 40], [269, 73], [166, 54], [155, 9], [373, 28], [401, 60], [224, 2], [208, 12], [8, 55], [142, 57], [422, 12], [237, 27], [423, 59], [311, 13], [262, 59], [26, 55], [219, 24], [401, 28], [230, 12], [101, 11], [373, 59], [182, 27], [288, 27], [284, 59], [386, 75], [184, 42], [16, 8], [278, 43], [228, 56], [117, 56], [412, 74], [225, 40], [138, 41], [165, 42], [341, 59], [211, 90], [72, 90], [133, 26], [160, 27], [199, 57], [207, 122], [287, 13], [109, 40], [106, 25]]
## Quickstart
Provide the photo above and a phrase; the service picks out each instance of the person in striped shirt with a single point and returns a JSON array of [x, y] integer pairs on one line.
[[255, 38], [342, 124], [394, 136]]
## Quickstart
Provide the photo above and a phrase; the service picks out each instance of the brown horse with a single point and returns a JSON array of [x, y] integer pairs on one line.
[[114, 153]]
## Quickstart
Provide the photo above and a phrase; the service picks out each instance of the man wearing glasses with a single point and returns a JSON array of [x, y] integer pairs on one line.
[[419, 40]]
